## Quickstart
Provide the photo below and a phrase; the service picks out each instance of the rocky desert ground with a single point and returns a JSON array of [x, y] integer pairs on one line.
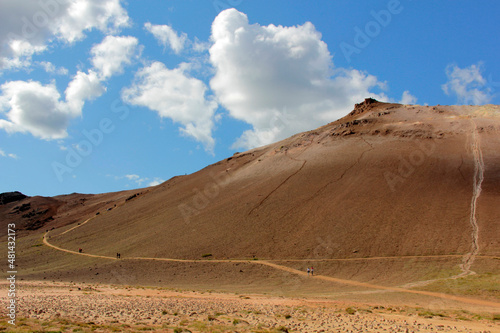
[[77, 307]]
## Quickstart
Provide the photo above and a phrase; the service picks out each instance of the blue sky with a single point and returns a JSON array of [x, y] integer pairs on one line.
[[99, 96]]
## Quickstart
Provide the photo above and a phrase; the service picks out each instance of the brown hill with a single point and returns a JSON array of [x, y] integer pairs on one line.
[[43, 213], [386, 180]]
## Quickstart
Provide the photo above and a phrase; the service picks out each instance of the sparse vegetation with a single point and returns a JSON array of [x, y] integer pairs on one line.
[[430, 314], [480, 284], [350, 310]]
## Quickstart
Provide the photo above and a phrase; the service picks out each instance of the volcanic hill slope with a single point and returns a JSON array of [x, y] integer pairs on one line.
[[392, 181], [386, 180]]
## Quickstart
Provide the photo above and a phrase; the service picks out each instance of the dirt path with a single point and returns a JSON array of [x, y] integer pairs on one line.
[[297, 272], [76, 226], [46, 242], [468, 259], [477, 153], [393, 289]]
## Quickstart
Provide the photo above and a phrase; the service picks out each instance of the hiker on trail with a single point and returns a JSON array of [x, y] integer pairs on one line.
[[308, 271], [117, 256], [80, 250], [312, 271]]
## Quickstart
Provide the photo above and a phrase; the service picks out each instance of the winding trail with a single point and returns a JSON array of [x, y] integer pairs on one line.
[[46, 242], [293, 271], [477, 153]]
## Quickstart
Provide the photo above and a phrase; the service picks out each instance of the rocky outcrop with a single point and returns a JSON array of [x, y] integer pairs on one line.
[[9, 197]]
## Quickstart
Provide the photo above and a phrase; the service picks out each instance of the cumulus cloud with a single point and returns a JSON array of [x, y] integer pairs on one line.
[[167, 36], [31, 107], [175, 95], [83, 87], [84, 15], [408, 98], [281, 80], [468, 84], [113, 53], [26, 28], [34, 108]]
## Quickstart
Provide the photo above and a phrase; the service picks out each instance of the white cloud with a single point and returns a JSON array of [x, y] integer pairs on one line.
[[52, 69], [132, 177], [4, 154], [34, 108], [408, 98], [200, 46], [28, 27], [14, 156], [140, 180], [281, 80], [84, 15], [175, 95], [156, 181], [468, 84], [167, 36], [112, 54], [37, 109], [83, 87]]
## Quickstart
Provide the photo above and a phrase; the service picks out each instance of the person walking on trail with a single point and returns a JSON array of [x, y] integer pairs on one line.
[[80, 250], [312, 271], [117, 256], [308, 271]]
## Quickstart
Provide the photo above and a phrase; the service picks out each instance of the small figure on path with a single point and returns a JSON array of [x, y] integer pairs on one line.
[[80, 250], [117, 255], [308, 271], [312, 271]]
